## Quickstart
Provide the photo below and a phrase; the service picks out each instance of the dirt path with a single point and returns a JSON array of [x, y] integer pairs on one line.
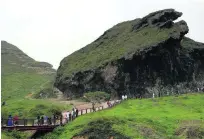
[[82, 107]]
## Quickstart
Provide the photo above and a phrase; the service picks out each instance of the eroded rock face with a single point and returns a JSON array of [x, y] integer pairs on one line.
[[161, 19], [167, 66]]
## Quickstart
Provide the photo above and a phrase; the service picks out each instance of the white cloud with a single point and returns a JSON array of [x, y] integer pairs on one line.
[[49, 30]]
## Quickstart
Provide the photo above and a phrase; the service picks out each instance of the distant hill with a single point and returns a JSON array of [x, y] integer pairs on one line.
[[21, 74], [135, 57]]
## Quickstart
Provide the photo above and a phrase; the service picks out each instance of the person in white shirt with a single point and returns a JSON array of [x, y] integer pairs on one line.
[[122, 97], [153, 95], [72, 113], [125, 96]]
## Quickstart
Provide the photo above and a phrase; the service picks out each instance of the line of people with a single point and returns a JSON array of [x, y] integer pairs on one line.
[[54, 119], [70, 115], [45, 120], [12, 120]]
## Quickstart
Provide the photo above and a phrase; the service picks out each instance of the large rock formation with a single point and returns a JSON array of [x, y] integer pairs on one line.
[[136, 57]]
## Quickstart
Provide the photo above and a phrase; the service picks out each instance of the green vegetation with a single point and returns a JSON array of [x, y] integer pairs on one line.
[[30, 108], [119, 41], [18, 79], [22, 78], [19, 85], [4, 136], [96, 97], [46, 92], [167, 117], [15, 135]]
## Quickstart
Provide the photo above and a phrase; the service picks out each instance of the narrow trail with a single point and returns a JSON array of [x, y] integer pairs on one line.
[[87, 108], [31, 124]]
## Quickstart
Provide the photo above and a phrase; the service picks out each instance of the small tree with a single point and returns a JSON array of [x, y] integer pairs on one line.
[[96, 97]]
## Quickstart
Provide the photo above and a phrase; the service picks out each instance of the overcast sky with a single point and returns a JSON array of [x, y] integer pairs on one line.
[[49, 30]]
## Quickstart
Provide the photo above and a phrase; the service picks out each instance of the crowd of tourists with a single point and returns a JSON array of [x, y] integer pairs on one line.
[[70, 115], [58, 119]]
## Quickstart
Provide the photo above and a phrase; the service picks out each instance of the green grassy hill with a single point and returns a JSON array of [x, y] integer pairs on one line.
[[22, 77], [161, 118], [20, 74]]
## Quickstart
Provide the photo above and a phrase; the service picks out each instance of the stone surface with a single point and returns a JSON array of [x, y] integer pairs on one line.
[[137, 58]]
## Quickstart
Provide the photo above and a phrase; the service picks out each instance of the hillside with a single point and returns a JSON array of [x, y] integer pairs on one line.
[[21, 75], [23, 79], [175, 117], [134, 58]]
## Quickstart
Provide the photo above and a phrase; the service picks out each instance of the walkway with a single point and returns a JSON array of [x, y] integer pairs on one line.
[[32, 124]]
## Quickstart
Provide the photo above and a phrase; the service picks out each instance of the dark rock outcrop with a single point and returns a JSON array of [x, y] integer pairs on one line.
[[150, 55], [161, 19]]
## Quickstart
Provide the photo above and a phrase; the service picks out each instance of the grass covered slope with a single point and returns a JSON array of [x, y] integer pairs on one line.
[[123, 40], [19, 77], [110, 46], [168, 117], [22, 77], [31, 108], [19, 85]]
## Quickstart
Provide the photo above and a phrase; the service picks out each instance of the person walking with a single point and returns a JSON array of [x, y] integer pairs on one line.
[[49, 121], [15, 120], [52, 119], [109, 104], [42, 120], [61, 117], [70, 116], [77, 112], [10, 121], [122, 97], [67, 114], [45, 119], [38, 118], [125, 97], [73, 114]]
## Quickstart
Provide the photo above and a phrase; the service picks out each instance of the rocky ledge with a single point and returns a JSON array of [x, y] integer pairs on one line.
[[137, 58]]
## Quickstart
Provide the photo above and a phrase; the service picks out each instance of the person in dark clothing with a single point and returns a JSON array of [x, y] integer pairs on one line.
[[42, 120], [50, 121], [77, 111], [61, 119], [10, 121], [70, 116], [38, 118], [15, 120]]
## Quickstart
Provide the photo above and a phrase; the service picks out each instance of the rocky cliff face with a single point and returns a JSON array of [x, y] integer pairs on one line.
[[137, 58]]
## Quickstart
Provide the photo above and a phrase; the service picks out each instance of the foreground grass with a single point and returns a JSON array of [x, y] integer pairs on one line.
[[167, 117], [4, 136], [15, 134]]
